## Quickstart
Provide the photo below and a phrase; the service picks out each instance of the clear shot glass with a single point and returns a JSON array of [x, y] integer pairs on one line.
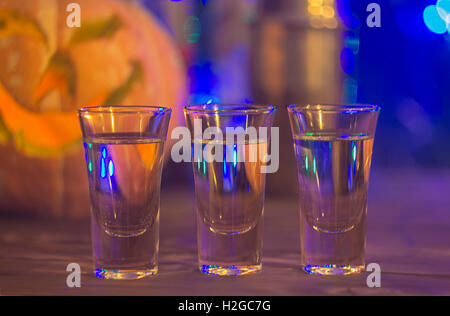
[[124, 147], [333, 145], [230, 158]]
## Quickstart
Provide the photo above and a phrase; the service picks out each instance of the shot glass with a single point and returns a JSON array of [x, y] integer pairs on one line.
[[333, 145], [230, 158], [124, 147]]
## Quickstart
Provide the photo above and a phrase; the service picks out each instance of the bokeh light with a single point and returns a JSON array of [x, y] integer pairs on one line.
[[314, 9], [327, 11], [347, 60], [192, 29], [433, 20], [351, 41], [443, 8], [350, 90], [346, 14], [322, 14]]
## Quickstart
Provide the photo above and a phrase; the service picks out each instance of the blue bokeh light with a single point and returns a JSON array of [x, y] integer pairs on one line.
[[111, 168], [433, 20], [348, 62], [347, 15], [443, 8], [103, 169]]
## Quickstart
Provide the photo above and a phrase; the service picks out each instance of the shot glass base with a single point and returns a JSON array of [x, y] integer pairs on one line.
[[234, 270], [331, 269], [124, 274]]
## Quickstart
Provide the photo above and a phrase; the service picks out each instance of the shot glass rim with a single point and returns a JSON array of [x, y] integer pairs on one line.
[[349, 108], [231, 108], [123, 109]]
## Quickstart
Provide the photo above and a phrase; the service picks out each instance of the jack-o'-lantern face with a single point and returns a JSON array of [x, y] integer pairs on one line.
[[119, 55]]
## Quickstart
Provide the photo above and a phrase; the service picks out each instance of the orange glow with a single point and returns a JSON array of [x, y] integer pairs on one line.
[[314, 9], [331, 23], [327, 11], [38, 133]]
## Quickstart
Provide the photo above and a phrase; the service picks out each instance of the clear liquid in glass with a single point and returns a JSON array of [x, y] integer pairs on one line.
[[333, 177], [230, 206], [124, 172]]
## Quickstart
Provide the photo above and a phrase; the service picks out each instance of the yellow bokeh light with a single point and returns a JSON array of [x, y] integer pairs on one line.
[[327, 12], [314, 9], [316, 2]]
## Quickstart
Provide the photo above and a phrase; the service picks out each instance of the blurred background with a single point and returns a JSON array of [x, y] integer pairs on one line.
[[209, 51], [323, 51]]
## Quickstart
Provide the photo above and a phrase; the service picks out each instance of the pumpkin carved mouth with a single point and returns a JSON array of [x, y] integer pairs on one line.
[[36, 133], [48, 133]]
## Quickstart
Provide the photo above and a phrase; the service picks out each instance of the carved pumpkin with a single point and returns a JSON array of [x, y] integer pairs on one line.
[[119, 55]]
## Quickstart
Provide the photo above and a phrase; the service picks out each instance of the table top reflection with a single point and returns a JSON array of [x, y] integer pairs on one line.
[[407, 235]]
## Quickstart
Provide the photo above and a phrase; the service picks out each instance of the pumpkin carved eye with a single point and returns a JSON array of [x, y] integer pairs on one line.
[[13, 23], [96, 29]]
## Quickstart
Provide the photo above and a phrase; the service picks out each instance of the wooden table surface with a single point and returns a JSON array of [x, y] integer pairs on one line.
[[408, 236]]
